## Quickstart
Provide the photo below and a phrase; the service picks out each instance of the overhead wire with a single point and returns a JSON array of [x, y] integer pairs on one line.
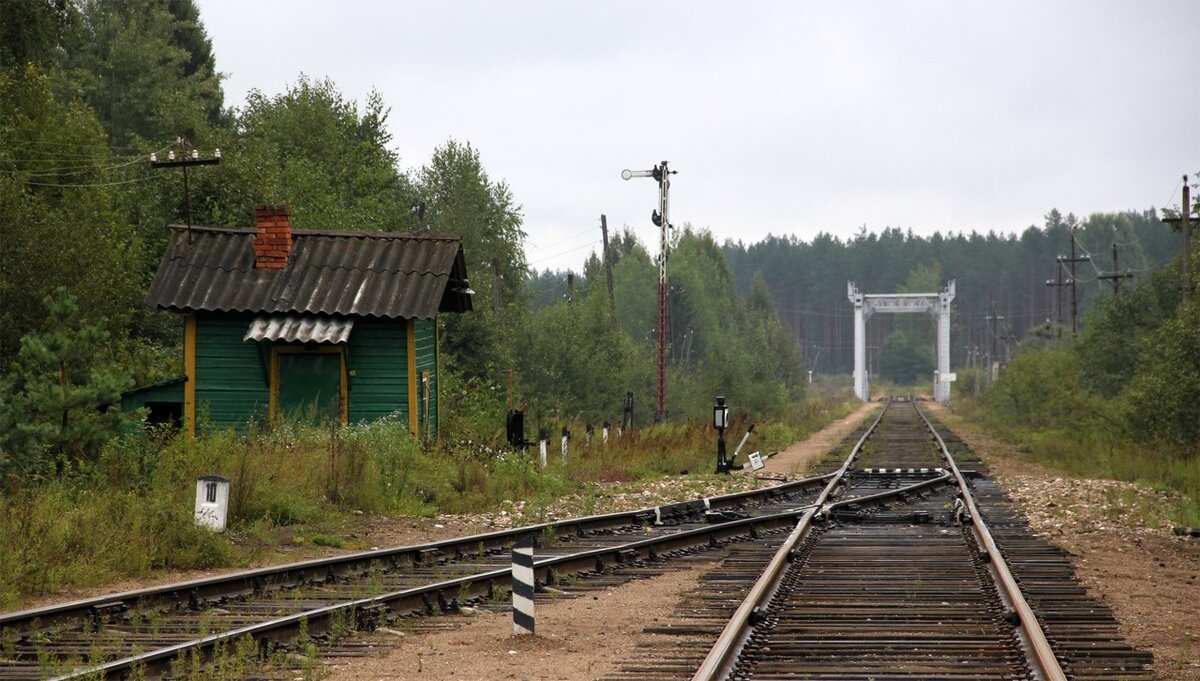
[[94, 184], [76, 145], [562, 253], [561, 241], [1091, 260], [74, 170], [78, 170], [1174, 192]]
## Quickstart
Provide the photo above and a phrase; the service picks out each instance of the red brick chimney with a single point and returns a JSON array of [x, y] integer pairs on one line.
[[274, 240]]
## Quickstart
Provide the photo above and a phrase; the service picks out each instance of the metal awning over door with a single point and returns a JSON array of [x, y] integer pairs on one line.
[[294, 328]]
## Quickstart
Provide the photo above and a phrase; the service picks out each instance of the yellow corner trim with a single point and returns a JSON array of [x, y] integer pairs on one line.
[[412, 376], [437, 377], [189, 369]]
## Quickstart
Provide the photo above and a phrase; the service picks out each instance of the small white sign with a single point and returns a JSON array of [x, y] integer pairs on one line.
[[756, 461], [950, 378]]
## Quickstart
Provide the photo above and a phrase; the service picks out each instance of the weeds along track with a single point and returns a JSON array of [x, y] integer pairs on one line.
[[941, 581], [261, 612]]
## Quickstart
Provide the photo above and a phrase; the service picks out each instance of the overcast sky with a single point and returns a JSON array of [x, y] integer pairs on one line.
[[780, 117]]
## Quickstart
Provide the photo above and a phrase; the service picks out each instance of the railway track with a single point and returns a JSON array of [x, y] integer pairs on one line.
[[153, 632], [877, 578], [947, 584]]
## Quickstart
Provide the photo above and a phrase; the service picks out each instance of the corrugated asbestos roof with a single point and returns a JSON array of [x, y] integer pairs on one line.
[[303, 329], [376, 274]]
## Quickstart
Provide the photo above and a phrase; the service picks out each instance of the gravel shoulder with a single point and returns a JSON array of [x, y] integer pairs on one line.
[[1121, 545], [578, 638], [796, 460]]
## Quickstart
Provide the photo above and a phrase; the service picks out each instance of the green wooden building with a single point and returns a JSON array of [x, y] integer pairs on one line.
[[307, 323]]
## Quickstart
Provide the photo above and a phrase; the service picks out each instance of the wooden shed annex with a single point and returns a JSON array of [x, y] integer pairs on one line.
[[314, 324]]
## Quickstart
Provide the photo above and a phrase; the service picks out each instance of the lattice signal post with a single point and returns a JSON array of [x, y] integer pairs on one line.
[[662, 175]]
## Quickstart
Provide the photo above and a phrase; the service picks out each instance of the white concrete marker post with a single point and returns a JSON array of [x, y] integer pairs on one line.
[[542, 450], [523, 586], [212, 502]]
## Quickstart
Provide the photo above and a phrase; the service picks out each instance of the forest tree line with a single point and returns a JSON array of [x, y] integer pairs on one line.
[[996, 274], [90, 88]]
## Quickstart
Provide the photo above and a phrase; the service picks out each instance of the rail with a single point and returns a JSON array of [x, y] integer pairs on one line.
[[479, 585], [256, 580], [723, 656]]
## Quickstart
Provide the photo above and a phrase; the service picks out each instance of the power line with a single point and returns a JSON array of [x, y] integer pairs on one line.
[[570, 250], [1174, 192], [1091, 261], [561, 241], [93, 184], [78, 170], [76, 145], [78, 167]]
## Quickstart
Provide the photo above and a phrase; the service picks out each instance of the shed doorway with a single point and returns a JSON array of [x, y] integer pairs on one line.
[[309, 384]]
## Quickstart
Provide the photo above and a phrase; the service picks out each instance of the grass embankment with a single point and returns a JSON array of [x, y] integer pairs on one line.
[[1100, 453], [129, 514]]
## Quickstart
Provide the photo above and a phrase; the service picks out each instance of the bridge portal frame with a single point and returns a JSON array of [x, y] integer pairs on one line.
[[936, 304]]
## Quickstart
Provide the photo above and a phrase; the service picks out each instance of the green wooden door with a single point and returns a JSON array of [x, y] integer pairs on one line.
[[310, 386]]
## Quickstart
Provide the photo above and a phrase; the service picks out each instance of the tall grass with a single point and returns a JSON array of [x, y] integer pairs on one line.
[[1100, 452], [129, 513]]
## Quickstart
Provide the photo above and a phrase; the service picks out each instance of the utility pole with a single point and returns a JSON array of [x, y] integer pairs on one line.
[[612, 303], [185, 161], [1186, 217], [1058, 284], [975, 367], [659, 217], [1073, 260], [1185, 222], [1116, 275], [994, 319], [1009, 338]]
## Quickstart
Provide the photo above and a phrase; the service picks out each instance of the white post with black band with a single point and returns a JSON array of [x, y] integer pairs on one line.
[[522, 585]]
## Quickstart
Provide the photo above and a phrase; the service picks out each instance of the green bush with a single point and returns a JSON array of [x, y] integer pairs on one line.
[[1162, 398], [60, 534], [1040, 389]]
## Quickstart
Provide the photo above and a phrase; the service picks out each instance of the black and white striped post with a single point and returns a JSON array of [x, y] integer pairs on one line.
[[522, 586], [543, 442]]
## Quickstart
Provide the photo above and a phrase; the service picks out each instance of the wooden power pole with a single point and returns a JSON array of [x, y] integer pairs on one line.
[[1073, 260], [186, 160], [993, 358], [1185, 222], [1116, 275], [1057, 283], [612, 303]]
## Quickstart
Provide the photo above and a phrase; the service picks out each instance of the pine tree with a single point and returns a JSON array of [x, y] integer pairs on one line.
[[59, 403]]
